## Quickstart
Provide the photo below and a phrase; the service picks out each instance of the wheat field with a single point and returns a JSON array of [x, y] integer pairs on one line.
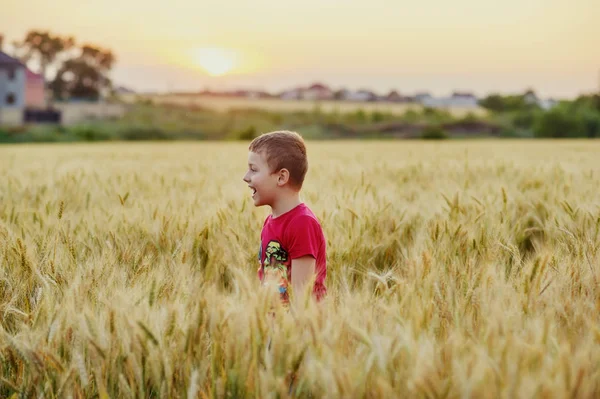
[[455, 269]]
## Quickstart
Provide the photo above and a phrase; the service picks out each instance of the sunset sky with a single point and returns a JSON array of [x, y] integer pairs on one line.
[[552, 46]]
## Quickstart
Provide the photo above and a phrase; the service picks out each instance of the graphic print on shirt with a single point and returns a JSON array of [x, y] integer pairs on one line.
[[275, 268]]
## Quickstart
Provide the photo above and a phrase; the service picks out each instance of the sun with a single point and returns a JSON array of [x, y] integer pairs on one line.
[[215, 61]]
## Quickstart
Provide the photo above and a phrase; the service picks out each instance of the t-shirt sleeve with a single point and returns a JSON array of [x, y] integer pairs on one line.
[[305, 237]]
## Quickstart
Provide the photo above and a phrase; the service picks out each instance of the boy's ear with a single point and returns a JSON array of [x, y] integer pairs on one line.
[[283, 176]]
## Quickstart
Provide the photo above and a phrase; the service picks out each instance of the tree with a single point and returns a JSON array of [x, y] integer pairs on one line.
[[560, 123], [493, 102], [434, 132], [80, 71], [588, 101], [85, 75], [44, 48], [498, 103]]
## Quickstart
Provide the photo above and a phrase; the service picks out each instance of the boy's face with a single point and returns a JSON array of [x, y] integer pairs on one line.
[[261, 180]]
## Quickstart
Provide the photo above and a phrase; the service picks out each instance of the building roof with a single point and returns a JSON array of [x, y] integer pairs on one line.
[[318, 86], [422, 94], [463, 94], [7, 60]]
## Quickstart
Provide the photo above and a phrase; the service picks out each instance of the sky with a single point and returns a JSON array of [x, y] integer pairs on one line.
[[440, 46]]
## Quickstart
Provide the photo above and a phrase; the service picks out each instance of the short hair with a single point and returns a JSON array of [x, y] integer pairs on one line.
[[283, 149]]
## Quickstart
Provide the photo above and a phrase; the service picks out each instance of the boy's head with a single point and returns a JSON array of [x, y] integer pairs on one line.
[[277, 164]]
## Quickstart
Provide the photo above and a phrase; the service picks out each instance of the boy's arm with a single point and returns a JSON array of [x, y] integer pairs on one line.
[[303, 272]]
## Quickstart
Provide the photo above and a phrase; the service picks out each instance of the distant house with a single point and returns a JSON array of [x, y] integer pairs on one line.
[[123, 90], [340, 94], [530, 97], [394, 96], [463, 99], [12, 81], [238, 93], [253, 94], [35, 91], [422, 97], [456, 100], [292, 94], [360, 95], [19, 89], [548, 103], [318, 91]]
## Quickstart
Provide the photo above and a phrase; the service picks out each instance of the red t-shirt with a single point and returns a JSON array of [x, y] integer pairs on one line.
[[290, 236]]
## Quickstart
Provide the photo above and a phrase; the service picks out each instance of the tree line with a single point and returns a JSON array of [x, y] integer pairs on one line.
[[577, 118]]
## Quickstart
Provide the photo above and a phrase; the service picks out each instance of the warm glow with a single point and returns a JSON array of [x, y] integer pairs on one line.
[[216, 61], [440, 46]]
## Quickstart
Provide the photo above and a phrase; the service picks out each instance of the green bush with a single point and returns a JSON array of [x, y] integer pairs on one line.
[[434, 133], [499, 103], [591, 122], [470, 117], [91, 133], [514, 133], [410, 116], [247, 134], [378, 116], [559, 123], [525, 119], [5, 136], [35, 134], [144, 133], [436, 115], [276, 118], [359, 116]]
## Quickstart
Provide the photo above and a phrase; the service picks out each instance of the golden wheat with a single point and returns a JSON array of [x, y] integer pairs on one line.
[[458, 269]]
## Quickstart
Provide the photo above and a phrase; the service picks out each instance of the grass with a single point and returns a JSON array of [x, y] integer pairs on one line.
[[146, 122], [456, 269], [224, 104]]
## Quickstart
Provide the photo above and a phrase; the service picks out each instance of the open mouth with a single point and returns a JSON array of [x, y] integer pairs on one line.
[[253, 191]]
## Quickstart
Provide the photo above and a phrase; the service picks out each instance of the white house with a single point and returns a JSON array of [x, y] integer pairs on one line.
[[292, 94], [318, 91], [531, 98], [463, 100], [456, 100], [422, 97], [19, 89], [360, 95], [12, 90], [547, 103], [394, 96]]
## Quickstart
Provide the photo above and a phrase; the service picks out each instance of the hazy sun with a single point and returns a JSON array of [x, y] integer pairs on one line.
[[216, 61]]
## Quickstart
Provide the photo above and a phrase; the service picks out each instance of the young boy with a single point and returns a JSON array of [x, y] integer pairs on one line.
[[293, 249]]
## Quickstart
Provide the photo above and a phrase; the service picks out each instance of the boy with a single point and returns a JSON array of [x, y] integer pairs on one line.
[[293, 249]]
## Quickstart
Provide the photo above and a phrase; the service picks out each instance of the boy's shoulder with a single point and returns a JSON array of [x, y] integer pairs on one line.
[[305, 222], [303, 211]]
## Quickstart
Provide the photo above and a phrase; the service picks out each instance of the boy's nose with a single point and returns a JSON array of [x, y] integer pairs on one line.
[[245, 178]]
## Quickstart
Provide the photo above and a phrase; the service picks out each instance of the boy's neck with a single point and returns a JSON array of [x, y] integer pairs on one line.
[[285, 204]]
